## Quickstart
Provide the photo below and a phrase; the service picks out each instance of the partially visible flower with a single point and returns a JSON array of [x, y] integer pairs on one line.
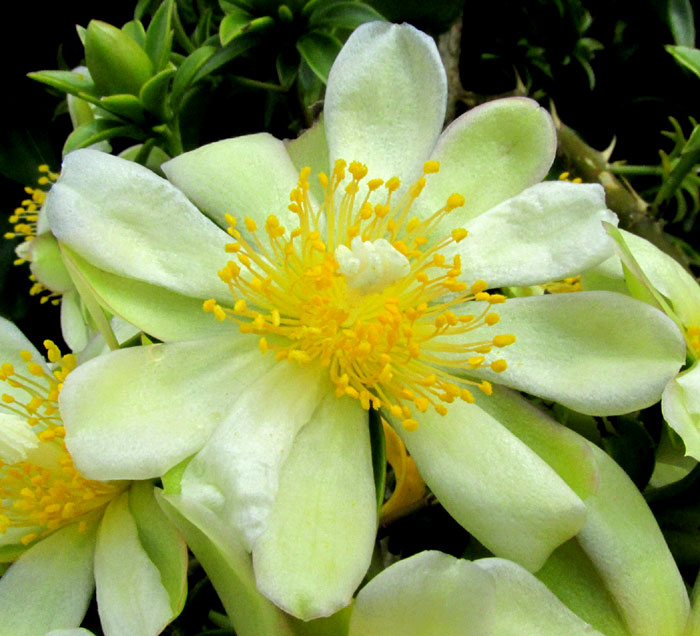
[[65, 533], [363, 291], [654, 276]]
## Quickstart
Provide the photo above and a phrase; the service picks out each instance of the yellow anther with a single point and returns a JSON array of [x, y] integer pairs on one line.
[[497, 299], [475, 361], [262, 345], [230, 219], [25, 355], [459, 234], [486, 387], [499, 365], [455, 200], [503, 340], [481, 296], [219, 313], [374, 184], [440, 409], [357, 170], [250, 224], [491, 319], [7, 398], [466, 396], [409, 425], [208, 305], [35, 369], [381, 210], [422, 404], [430, 167], [232, 248], [393, 184]]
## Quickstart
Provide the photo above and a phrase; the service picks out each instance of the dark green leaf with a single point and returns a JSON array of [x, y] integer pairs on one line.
[[66, 81], [136, 32], [143, 7], [187, 71], [343, 15], [239, 45], [258, 25], [127, 106], [632, 448], [319, 50], [314, 5], [378, 444], [154, 94], [688, 57], [99, 130], [159, 37], [232, 24], [680, 19], [231, 6], [287, 66]]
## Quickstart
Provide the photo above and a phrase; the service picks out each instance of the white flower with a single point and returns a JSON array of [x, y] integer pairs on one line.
[[277, 454]]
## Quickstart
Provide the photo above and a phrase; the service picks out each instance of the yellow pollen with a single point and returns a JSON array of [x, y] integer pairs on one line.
[[363, 288], [43, 496]]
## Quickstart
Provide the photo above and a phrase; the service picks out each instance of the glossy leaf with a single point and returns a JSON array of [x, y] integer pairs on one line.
[[99, 130], [343, 15], [319, 50], [127, 106], [66, 81], [159, 36], [154, 94]]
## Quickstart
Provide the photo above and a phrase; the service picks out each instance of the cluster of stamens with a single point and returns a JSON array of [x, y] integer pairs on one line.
[[24, 221], [693, 334], [312, 294], [47, 493]]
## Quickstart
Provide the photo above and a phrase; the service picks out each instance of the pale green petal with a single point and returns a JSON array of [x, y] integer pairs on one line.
[[525, 607], [73, 326], [126, 220], [548, 232], [46, 264], [130, 597], [164, 314], [680, 404], [623, 540], [565, 451], [236, 474], [599, 353], [16, 438], [70, 632], [50, 585], [668, 277], [135, 413], [570, 574], [429, 594], [320, 534], [489, 154], [163, 544], [220, 551], [311, 149], [385, 100], [493, 484], [250, 176], [12, 341]]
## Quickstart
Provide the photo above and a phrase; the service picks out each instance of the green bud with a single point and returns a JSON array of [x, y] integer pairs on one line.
[[117, 63]]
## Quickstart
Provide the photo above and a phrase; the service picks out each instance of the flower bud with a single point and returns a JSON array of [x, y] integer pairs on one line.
[[117, 63]]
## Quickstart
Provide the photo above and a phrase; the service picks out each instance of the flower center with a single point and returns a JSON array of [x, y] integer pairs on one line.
[[363, 289], [43, 490]]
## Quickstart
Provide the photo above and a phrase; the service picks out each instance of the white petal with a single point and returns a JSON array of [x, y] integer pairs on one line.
[[489, 154], [135, 413], [550, 231], [680, 404], [427, 594], [525, 607], [494, 485], [74, 328], [310, 148], [250, 176], [50, 585], [130, 596], [385, 100], [236, 473], [16, 438], [126, 220], [599, 353], [624, 542], [320, 534], [218, 548], [12, 341], [668, 277]]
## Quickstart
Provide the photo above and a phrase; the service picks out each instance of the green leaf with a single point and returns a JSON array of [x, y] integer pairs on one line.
[[378, 444], [319, 50], [159, 37], [287, 66], [232, 24], [154, 94], [632, 448], [66, 81], [239, 45], [143, 7], [188, 70], [343, 15], [688, 57], [135, 31], [680, 19], [99, 130], [127, 106]]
